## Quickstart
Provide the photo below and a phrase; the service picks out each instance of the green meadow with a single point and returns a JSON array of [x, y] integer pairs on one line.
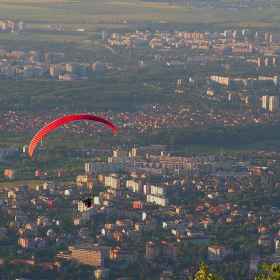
[[31, 183], [39, 37]]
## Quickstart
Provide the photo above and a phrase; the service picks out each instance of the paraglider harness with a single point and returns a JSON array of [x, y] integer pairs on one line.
[[87, 201]]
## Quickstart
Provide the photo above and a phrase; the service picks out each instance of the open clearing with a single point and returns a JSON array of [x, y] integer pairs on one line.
[[31, 183]]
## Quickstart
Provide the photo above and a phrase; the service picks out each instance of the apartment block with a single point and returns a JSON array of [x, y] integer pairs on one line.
[[128, 255], [26, 242], [163, 249], [11, 174], [112, 181], [160, 200], [218, 253], [135, 186], [90, 254], [273, 103], [105, 167]]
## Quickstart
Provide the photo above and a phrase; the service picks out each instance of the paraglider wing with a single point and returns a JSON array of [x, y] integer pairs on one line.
[[49, 127]]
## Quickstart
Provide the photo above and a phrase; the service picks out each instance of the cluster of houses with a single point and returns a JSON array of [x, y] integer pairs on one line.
[[182, 223]]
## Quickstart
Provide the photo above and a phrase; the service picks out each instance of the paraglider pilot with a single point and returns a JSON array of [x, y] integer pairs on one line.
[[87, 201]]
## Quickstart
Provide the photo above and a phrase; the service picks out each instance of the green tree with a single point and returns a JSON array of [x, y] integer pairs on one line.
[[267, 267], [204, 274]]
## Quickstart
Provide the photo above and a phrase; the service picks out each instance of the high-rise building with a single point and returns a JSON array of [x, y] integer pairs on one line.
[[32, 71], [169, 249], [267, 61], [71, 68], [265, 102], [273, 103], [134, 185], [237, 34], [260, 62], [98, 66], [128, 254], [21, 25], [274, 38], [228, 33], [119, 153], [90, 254], [276, 80], [5, 25], [104, 35], [55, 71], [246, 32], [105, 167], [259, 35], [267, 37], [153, 250], [112, 181]]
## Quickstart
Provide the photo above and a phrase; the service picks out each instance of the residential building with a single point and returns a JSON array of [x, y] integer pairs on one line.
[[169, 249], [146, 226], [265, 102], [22, 25], [160, 200], [98, 66], [135, 185], [104, 35], [90, 254], [112, 181], [26, 242], [138, 204], [55, 71], [101, 273], [11, 174], [264, 240], [273, 103], [152, 250], [218, 253], [163, 249], [119, 153], [105, 167], [128, 255], [85, 180]]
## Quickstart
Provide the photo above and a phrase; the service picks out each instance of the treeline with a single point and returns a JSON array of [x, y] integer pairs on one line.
[[116, 92], [214, 136], [80, 95], [11, 271]]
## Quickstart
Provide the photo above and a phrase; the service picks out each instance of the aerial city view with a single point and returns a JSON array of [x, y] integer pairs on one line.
[[140, 140]]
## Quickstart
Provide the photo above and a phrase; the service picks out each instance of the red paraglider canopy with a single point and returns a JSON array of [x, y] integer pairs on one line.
[[49, 127]]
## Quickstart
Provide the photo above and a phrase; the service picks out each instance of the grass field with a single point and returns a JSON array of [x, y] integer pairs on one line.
[[42, 37], [90, 1], [76, 25], [31, 183], [74, 12]]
